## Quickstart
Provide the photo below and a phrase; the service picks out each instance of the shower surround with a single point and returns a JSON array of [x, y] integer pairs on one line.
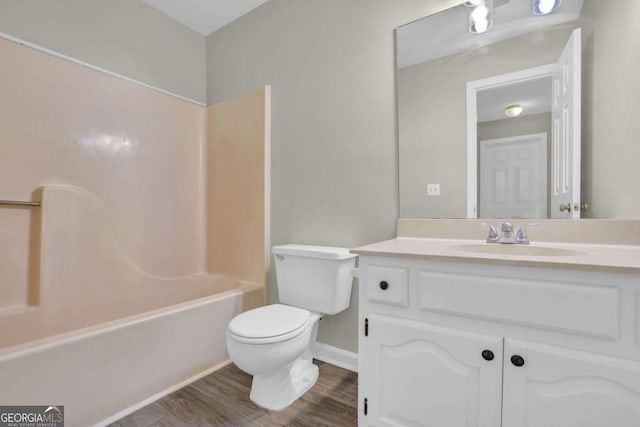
[[108, 299]]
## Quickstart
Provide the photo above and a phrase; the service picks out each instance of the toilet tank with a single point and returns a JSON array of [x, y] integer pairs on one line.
[[317, 278]]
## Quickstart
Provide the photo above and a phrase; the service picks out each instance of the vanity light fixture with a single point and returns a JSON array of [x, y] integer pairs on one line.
[[513, 110], [545, 7], [472, 3], [481, 17]]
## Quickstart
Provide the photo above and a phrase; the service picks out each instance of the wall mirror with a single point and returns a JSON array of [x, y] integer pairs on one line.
[[520, 109]]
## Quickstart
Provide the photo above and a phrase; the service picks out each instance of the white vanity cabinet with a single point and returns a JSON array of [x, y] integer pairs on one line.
[[456, 343], [419, 374], [557, 387]]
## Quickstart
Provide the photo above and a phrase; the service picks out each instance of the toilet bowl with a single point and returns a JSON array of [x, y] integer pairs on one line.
[[272, 343]]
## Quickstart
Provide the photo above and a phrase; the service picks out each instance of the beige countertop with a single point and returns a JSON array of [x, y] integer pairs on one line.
[[598, 257]]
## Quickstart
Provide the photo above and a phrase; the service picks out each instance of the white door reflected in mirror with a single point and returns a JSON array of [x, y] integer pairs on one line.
[[566, 116], [501, 156], [513, 177]]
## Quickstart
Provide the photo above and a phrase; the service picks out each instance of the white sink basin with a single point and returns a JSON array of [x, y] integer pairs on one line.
[[522, 250]]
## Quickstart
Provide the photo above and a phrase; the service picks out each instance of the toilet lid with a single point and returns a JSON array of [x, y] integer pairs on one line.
[[269, 321]]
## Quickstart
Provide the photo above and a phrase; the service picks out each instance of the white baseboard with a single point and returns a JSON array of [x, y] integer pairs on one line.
[[335, 356], [131, 409]]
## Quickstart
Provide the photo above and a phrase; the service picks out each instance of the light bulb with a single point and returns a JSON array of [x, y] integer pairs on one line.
[[480, 19], [479, 13], [481, 26], [513, 110], [545, 7]]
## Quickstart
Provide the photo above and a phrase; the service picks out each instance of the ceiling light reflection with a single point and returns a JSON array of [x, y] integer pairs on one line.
[[106, 142], [545, 7], [480, 18]]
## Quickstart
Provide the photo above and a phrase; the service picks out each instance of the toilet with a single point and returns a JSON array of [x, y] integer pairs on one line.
[[272, 343]]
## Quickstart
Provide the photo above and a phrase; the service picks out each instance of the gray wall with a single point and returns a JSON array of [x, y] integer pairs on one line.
[[127, 37], [432, 118], [330, 64], [610, 127]]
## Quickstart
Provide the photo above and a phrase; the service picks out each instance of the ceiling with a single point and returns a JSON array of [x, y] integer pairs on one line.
[[204, 16], [446, 33], [533, 95]]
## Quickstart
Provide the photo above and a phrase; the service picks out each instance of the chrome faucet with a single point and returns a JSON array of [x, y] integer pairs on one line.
[[507, 236]]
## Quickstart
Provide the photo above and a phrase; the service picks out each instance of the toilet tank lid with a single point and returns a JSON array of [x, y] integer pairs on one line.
[[323, 252]]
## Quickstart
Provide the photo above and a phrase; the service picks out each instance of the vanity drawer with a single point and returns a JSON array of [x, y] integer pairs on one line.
[[556, 303], [388, 284]]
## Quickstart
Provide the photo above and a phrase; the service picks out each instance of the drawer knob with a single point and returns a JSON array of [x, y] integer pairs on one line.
[[517, 360], [384, 285], [488, 355]]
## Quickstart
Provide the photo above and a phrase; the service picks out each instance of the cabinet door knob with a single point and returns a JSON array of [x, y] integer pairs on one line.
[[488, 355], [517, 360], [384, 285]]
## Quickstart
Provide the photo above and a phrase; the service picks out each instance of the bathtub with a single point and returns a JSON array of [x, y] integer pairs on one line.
[[101, 373], [100, 335]]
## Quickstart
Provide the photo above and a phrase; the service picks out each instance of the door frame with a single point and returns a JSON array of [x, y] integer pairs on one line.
[[473, 87]]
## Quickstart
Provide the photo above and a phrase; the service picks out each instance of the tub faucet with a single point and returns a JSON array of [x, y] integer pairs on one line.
[[507, 235]]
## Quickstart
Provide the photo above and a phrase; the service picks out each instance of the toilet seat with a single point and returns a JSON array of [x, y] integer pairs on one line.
[[269, 324]]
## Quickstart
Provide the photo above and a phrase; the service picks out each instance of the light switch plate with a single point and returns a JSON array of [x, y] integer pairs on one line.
[[433, 190]]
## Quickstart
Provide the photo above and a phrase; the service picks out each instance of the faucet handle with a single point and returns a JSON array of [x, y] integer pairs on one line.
[[521, 234], [507, 227], [493, 232]]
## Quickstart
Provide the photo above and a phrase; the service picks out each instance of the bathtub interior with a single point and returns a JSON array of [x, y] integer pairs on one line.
[[86, 277]]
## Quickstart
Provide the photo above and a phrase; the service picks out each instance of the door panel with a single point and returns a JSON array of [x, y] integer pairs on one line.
[[566, 124], [566, 388], [423, 375], [513, 177]]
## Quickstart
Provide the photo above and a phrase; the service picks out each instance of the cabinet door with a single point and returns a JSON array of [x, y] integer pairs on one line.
[[566, 388], [423, 375]]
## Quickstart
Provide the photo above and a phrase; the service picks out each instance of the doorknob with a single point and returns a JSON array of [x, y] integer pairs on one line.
[[566, 207], [585, 207]]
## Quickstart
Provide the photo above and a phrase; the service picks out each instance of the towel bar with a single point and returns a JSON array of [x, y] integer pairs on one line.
[[18, 203]]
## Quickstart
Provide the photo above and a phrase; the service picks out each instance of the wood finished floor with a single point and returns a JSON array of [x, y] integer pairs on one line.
[[222, 399]]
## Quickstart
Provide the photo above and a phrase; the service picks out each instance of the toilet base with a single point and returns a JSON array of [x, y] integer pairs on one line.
[[277, 391]]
